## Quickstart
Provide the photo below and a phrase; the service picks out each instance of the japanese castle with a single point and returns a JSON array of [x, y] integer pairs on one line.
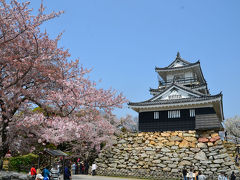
[[182, 101]]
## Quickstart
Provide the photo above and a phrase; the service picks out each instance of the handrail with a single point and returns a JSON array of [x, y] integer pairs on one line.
[[182, 80]]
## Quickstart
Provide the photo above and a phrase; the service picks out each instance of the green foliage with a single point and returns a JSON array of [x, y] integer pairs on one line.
[[123, 129], [68, 153], [38, 109], [23, 163], [102, 145], [50, 146]]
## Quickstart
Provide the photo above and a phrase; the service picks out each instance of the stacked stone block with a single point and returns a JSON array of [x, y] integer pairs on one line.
[[166, 152]]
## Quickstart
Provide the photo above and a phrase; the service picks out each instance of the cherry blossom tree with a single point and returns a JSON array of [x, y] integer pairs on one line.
[[232, 126], [128, 123], [35, 72]]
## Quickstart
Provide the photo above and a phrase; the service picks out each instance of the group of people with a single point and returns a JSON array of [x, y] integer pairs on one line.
[[80, 167], [193, 175], [52, 174], [83, 168], [197, 175], [223, 176]]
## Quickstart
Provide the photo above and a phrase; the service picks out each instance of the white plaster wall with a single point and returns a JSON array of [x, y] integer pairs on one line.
[[178, 64], [180, 92], [169, 77], [188, 75]]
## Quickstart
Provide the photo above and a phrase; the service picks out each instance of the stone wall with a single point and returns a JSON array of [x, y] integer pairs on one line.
[[10, 175], [158, 154]]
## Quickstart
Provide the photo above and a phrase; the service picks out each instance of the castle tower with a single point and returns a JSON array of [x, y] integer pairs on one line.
[[181, 102]]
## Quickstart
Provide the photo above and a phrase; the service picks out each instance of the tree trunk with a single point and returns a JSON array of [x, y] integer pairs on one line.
[[5, 144]]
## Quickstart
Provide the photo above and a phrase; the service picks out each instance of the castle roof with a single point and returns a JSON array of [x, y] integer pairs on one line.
[[179, 96], [190, 65], [194, 89], [178, 59], [173, 102], [180, 65]]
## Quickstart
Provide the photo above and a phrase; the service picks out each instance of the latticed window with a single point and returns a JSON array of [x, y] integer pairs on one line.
[[156, 115], [174, 114], [192, 112], [178, 76]]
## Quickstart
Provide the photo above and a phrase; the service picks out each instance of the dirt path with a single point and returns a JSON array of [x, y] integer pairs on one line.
[[89, 177]]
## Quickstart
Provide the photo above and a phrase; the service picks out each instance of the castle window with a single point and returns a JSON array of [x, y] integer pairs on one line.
[[174, 114], [192, 112], [156, 115], [178, 76]]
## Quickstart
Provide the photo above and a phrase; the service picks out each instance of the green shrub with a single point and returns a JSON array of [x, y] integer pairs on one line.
[[23, 163], [123, 129]]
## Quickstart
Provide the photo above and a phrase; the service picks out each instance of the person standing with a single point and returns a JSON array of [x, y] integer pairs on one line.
[[54, 172], [196, 174], [67, 173], [80, 167], [83, 168], [233, 176], [86, 167], [184, 172], [191, 175], [73, 168], [39, 177], [225, 176], [201, 176], [46, 173], [222, 176], [94, 167], [33, 172], [77, 168], [236, 159]]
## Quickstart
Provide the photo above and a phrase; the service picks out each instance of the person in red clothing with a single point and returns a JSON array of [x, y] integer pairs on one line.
[[33, 172]]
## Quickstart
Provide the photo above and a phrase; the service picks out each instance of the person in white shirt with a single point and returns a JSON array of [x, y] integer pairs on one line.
[[39, 177], [191, 175], [201, 176], [54, 172], [94, 167], [73, 168], [222, 176]]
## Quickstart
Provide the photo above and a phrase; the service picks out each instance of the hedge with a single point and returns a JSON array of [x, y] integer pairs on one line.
[[23, 163]]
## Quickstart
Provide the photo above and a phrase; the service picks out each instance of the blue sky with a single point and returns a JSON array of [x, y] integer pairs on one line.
[[123, 41]]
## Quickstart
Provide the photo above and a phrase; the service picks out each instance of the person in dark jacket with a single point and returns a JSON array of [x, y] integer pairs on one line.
[[233, 176], [77, 168], [67, 173], [236, 159], [86, 167], [184, 172], [81, 168]]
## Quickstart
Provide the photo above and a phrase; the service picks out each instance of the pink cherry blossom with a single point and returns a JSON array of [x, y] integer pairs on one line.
[[35, 72]]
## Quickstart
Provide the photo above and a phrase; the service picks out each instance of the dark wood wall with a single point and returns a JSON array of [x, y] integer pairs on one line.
[[147, 123]]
